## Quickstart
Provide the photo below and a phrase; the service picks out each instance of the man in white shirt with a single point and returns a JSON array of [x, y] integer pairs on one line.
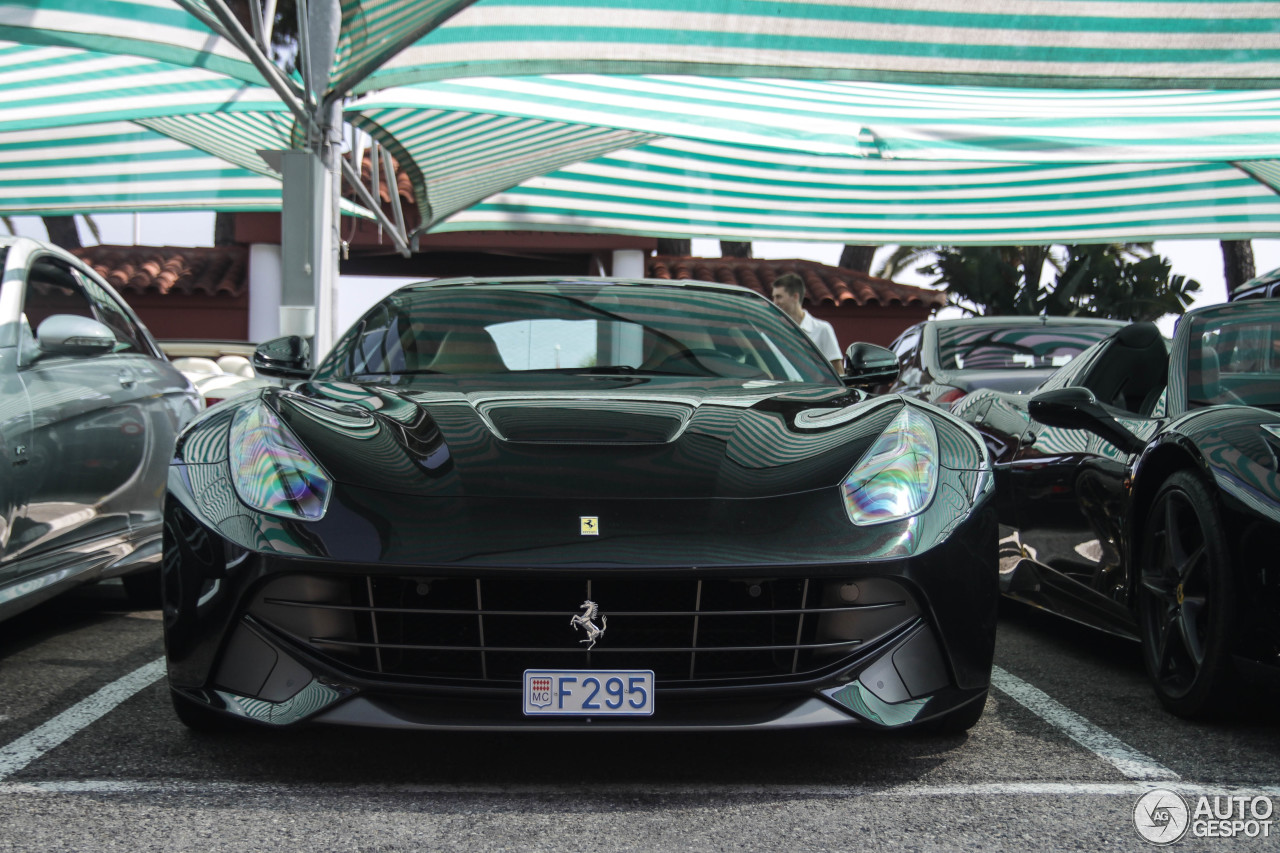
[[788, 294]]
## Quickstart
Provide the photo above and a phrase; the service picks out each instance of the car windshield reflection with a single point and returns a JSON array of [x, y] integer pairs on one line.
[[571, 327], [1008, 348]]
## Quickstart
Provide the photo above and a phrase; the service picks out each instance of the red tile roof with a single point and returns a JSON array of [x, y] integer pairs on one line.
[[211, 270], [224, 270], [823, 284]]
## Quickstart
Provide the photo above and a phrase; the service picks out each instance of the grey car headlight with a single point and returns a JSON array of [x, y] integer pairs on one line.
[[898, 474], [271, 470]]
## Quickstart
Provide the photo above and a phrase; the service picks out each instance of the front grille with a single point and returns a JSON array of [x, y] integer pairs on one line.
[[442, 630]]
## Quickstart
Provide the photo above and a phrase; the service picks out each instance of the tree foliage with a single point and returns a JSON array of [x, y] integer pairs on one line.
[[1104, 281], [1123, 281]]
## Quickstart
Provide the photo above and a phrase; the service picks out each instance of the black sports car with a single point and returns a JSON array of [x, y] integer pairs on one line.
[[1139, 493], [939, 361], [578, 504]]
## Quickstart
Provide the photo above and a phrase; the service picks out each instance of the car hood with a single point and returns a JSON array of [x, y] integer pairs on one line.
[[646, 439]]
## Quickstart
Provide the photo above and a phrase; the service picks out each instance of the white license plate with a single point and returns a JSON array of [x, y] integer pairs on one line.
[[588, 692]]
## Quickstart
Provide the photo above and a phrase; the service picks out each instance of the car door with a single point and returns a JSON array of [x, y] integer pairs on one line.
[[1068, 485], [15, 426], [163, 398], [89, 443]]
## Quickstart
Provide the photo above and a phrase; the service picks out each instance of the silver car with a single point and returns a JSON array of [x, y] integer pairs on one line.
[[89, 411]]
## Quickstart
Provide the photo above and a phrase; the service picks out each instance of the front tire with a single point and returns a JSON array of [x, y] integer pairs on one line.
[[143, 589], [1185, 599]]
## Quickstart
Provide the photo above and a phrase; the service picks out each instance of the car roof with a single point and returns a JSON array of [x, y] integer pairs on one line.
[[596, 281], [9, 240], [1257, 282], [1027, 320], [1247, 306]]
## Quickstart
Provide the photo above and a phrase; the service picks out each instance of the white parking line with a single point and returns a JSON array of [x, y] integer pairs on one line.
[[31, 746], [623, 790], [1108, 747], [38, 741]]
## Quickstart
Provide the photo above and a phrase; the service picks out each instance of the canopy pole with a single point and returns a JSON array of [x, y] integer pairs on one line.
[[375, 207], [280, 84], [331, 225]]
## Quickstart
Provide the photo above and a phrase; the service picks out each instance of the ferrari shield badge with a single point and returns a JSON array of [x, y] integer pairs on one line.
[[586, 621], [590, 525]]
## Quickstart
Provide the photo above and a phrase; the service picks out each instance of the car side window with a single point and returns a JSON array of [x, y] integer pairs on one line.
[[108, 311], [906, 345], [50, 289]]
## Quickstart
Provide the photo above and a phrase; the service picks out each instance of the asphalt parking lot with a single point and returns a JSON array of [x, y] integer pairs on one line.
[[92, 758]]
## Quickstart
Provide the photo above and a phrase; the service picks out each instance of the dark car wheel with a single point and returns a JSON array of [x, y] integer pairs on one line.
[[143, 589], [1185, 599]]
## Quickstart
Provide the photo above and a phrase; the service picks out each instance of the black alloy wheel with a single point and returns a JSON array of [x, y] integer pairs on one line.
[[1185, 599]]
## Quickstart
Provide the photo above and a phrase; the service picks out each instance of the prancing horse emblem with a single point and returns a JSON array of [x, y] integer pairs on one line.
[[583, 621]]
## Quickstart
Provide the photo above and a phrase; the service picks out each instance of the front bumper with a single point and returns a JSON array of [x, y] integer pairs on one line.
[[245, 637]]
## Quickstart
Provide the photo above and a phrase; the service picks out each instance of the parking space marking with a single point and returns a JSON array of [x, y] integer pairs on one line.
[[31, 746], [624, 790], [35, 743], [1127, 760]]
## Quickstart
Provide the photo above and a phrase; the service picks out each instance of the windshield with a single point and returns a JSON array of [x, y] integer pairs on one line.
[[573, 327], [993, 347], [1234, 357]]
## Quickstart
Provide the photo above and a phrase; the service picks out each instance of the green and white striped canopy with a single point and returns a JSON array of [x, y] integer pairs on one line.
[[1213, 44], [156, 29], [691, 189], [832, 120], [846, 162], [1090, 44], [872, 119], [121, 167], [85, 132], [88, 132]]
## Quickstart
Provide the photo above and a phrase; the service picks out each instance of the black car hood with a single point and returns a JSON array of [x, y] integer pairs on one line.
[[650, 438], [1016, 381]]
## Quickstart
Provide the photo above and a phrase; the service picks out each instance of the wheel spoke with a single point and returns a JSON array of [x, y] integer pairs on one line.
[[1189, 624], [1164, 651], [1173, 532], [1160, 587], [1194, 563], [1158, 577]]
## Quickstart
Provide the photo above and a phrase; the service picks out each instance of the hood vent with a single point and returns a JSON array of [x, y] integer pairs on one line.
[[531, 422]]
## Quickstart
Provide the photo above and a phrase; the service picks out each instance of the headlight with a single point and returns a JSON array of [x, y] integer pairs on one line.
[[271, 469], [897, 476]]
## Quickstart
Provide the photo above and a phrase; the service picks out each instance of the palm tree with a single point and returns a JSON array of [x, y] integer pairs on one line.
[[853, 257], [1237, 263], [1123, 280]]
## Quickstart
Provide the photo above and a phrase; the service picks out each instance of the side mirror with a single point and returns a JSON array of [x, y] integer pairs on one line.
[[69, 334], [866, 365], [1078, 408], [284, 358]]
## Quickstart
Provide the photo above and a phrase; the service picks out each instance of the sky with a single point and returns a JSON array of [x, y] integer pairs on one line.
[[1197, 259]]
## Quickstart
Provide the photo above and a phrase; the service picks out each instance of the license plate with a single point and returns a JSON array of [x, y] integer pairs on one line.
[[588, 692]]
